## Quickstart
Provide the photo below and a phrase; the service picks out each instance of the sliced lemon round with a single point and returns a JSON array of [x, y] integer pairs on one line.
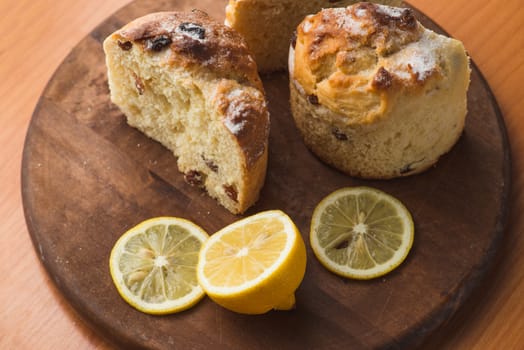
[[255, 264], [361, 232], [153, 265]]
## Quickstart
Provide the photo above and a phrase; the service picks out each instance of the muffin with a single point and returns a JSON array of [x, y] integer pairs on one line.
[[268, 25], [374, 93], [191, 84]]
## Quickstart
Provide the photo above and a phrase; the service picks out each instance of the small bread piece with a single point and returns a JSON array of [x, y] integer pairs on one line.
[[374, 93], [268, 25], [191, 84]]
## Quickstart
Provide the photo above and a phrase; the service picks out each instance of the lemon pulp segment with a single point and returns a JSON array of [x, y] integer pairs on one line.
[[153, 265], [245, 253], [361, 232], [255, 264]]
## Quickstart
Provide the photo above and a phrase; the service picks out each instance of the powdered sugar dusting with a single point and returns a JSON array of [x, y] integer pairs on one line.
[[418, 60], [349, 23], [238, 106], [192, 30], [234, 126], [235, 94], [421, 64], [355, 27], [167, 26], [306, 26], [360, 12], [390, 11]]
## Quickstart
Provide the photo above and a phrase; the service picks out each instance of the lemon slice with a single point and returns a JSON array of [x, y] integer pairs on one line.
[[255, 264], [153, 265], [361, 232]]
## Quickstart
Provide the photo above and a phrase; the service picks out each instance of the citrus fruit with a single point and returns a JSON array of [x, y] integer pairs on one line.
[[254, 265], [361, 232], [153, 265]]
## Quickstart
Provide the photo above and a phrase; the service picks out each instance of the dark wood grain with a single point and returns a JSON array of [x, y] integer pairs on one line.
[[87, 177]]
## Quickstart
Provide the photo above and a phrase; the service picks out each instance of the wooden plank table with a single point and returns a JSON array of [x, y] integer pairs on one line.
[[38, 35]]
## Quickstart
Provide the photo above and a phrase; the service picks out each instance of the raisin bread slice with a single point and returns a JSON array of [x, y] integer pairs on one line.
[[191, 84]]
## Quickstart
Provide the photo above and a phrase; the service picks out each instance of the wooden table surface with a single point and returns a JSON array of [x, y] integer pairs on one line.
[[36, 37]]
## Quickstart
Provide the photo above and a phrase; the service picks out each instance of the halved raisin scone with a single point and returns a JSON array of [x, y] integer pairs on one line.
[[192, 84]]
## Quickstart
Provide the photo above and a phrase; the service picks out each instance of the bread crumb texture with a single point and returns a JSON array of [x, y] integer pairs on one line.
[[374, 93], [192, 84]]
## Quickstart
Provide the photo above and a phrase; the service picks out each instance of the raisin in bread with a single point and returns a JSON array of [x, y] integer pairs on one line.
[[268, 25], [374, 93], [191, 84]]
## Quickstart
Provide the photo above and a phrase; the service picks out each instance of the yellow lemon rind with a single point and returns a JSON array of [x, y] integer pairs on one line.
[[258, 296], [168, 307], [380, 269]]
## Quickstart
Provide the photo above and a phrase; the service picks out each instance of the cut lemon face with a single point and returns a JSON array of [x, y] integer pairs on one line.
[[361, 232], [153, 265], [255, 264]]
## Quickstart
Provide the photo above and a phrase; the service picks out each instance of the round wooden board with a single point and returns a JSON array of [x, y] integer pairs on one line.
[[87, 177]]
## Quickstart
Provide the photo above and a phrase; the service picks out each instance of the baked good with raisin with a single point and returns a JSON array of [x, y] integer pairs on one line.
[[374, 93], [191, 84], [268, 25]]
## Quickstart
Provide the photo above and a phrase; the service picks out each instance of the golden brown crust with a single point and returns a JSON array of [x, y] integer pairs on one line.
[[383, 28], [192, 84], [194, 40], [245, 116], [198, 42], [268, 25], [374, 93], [346, 54]]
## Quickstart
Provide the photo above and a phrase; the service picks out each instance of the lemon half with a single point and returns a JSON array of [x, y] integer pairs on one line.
[[254, 265], [153, 265], [361, 232]]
